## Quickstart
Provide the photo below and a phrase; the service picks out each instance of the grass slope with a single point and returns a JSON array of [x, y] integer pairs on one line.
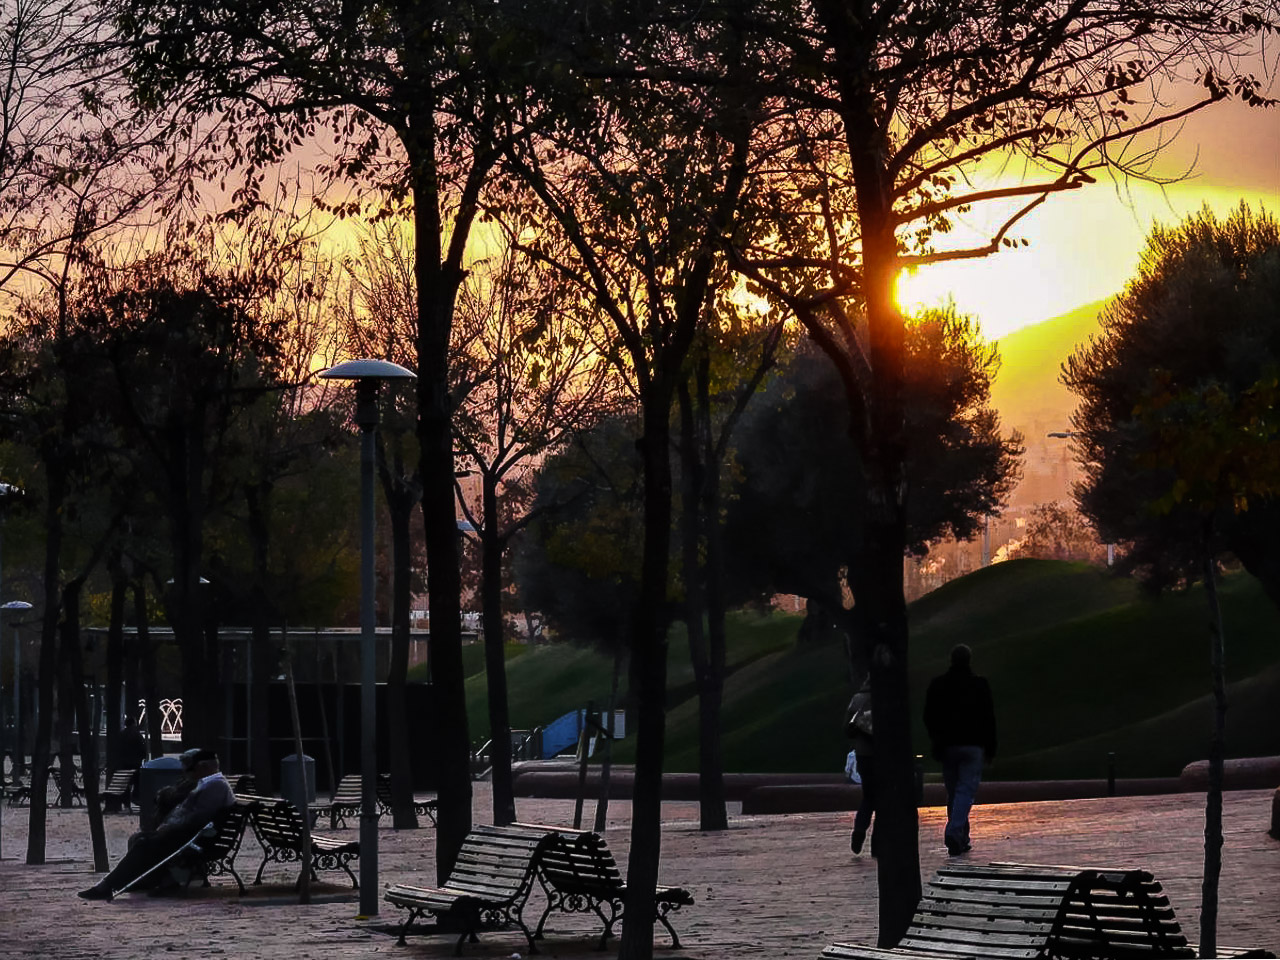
[[1027, 390], [1081, 664]]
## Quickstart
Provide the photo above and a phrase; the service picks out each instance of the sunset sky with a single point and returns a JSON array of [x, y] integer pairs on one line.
[[1085, 244]]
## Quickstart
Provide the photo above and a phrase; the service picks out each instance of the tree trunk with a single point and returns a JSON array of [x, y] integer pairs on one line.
[[878, 425], [214, 709], [84, 720], [115, 665], [437, 291], [400, 506], [495, 656], [649, 673], [693, 480], [262, 658], [184, 601], [1217, 750], [55, 491], [150, 685], [711, 794], [64, 723], [606, 762]]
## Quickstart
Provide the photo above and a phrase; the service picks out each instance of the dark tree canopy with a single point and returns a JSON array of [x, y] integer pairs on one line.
[[795, 516], [793, 489], [579, 561], [1177, 398]]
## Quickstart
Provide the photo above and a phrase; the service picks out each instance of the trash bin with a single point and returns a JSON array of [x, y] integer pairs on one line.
[[155, 774], [298, 781]]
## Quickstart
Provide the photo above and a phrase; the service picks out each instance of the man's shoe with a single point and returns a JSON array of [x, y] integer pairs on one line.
[[855, 841], [96, 892]]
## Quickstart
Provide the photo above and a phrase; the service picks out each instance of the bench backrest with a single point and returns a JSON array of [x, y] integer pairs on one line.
[[1010, 910], [229, 825], [498, 862], [349, 790], [278, 824], [1031, 910], [121, 782], [581, 862]]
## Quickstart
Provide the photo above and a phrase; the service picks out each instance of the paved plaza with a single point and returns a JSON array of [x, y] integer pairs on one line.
[[769, 887]]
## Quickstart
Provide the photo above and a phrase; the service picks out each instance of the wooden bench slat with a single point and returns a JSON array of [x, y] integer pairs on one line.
[[579, 874], [490, 882], [1024, 911]]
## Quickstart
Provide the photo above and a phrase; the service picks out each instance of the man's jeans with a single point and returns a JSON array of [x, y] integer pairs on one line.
[[961, 773]]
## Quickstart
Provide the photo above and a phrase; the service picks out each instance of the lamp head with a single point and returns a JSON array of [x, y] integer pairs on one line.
[[367, 374], [367, 370]]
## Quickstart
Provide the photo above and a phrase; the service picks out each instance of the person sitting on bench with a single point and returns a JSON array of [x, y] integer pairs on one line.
[[212, 794]]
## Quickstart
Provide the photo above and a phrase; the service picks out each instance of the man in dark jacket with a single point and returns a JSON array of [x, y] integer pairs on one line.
[[961, 720]]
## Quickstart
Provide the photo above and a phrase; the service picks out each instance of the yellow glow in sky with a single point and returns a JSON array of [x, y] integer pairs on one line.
[[1085, 244], [1083, 247]]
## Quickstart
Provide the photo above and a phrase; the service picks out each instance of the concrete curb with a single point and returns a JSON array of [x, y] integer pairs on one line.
[[781, 793]]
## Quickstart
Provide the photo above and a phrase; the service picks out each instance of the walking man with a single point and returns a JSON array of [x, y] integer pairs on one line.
[[960, 717]]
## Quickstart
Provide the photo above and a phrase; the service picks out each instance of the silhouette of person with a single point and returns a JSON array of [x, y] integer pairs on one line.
[[132, 750], [960, 716], [859, 729]]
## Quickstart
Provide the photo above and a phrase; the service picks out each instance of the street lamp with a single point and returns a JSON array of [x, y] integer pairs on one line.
[[367, 374]]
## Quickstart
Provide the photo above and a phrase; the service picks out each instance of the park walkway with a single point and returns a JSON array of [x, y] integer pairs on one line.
[[769, 887]]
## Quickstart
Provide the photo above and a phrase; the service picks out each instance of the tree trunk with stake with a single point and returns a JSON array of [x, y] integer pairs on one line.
[[1217, 749]]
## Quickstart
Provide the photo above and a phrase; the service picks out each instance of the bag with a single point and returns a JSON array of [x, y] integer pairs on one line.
[[859, 724]]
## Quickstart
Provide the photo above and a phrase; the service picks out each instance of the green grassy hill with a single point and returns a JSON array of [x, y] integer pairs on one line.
[[1081, 663]]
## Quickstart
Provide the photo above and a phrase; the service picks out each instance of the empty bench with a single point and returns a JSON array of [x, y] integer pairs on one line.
[[280, 828], [579, 874], [1031, 911], [487, 888], [115, 796], [422, 808], [69, 791]]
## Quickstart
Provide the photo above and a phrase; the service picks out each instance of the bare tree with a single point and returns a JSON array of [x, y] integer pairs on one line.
[[533, 377]]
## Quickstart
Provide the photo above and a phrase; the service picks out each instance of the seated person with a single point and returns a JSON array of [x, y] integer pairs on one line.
[[166, 798], [211, 795]]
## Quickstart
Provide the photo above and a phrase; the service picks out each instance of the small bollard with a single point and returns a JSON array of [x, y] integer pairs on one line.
[[1111, 774], [919, 780]]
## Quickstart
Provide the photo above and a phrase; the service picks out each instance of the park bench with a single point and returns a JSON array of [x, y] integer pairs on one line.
[[579, 874], [279, 827], [67, 787], [115, 796], [214, 851], [19, 791], [1012, 910], [347, 802], [422, 808], [487, 888]]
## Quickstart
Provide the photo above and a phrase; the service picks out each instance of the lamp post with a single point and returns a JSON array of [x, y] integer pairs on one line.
[[367, 374]]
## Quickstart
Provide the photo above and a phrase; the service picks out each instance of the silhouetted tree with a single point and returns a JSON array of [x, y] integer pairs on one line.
[[1177, 432], [917, 97]]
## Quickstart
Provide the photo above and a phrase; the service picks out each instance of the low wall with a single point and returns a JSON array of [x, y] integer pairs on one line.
[[777, 793], [800, 798], [562, 783], [1243, 773]]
